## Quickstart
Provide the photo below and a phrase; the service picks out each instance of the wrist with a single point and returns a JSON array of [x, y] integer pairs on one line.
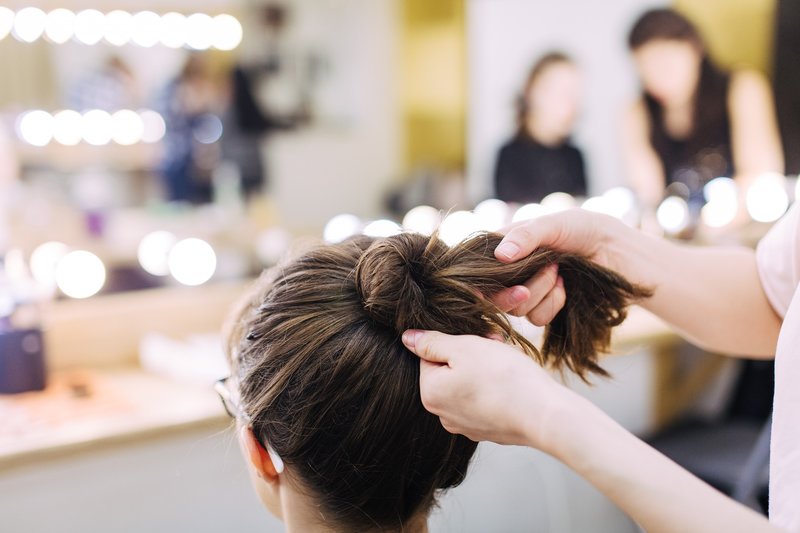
[[550, 427]]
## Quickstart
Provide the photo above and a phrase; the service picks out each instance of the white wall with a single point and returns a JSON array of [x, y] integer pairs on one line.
[[505, 37]]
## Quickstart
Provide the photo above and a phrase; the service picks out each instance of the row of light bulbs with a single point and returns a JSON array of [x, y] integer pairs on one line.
[[95, 127], [198, 31], [81, 274], [766, 201]]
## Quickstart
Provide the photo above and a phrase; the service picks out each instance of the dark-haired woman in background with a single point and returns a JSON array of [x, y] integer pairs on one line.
[[541, 159], [694, 122]]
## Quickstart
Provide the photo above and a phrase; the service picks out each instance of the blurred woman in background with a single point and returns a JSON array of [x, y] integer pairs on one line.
[[541, 159], [693, 122]]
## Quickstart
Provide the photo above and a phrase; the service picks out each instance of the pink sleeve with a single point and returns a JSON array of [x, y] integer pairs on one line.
[[778, 260]]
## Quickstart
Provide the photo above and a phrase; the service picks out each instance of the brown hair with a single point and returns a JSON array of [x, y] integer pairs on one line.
[[328, 384], [538, 68]]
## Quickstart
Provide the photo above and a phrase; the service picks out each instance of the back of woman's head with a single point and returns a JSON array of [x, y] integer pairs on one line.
[[326, 381], [663, 24]]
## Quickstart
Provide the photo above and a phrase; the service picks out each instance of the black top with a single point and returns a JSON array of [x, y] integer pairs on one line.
[[527, 171], [705, 153]]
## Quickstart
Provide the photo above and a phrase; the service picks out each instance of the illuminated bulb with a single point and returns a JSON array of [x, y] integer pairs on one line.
[[192, 261], [208, 129], [341, 227], [382, 228], [199, 31], [528, 212], [29, 24], [226, 32], [44, 261], [720, 189], [89, 26], [620, 201], [118, 28], [767, 199], [6, 22], [557, 201], [719, 213], [153, 126], [36, 127], [153, 252], [60, 25], [97, 127], [126, 127], [597, 204], [80, 274], [67, 127], [673, 214], [457, 226], [146, 29], [422, 219], [173, 30], [492, 214]]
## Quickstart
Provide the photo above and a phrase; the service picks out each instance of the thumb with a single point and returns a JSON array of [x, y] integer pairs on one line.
[[431, 346]]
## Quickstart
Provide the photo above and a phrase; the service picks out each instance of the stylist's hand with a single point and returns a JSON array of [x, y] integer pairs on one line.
[[485, 389], [577, 231]]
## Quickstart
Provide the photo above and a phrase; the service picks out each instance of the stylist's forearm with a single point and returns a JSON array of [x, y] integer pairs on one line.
[[655, 492], [711, 295]]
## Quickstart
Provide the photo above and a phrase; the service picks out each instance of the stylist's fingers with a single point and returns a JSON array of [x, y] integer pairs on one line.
[[522, 239], [539, 286], [431, 346], [511, 297], [551, 304]]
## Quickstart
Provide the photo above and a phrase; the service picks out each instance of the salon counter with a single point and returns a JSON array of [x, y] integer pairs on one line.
[[82, 410]]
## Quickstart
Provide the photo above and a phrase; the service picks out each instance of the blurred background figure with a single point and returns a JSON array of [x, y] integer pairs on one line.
[[111, 87], [694, 122], [186, 103], [541, 158]]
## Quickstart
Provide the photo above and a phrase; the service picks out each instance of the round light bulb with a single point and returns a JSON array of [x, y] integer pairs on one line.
[[226, 32], [146, 29], [68, 127], [97, 127], [6, 22], [673, 214], [80, 274], [528, 212], [199, 31], [557, 201], [126, 127], [192, 261], [119, 27], [153, 252], [36, 127], [29, 24], [60, 25], [89, 26], [153, 126], [382, 228], [173, 31], [341, 227], [492, 214], [422, 219], [767, 199], [457, 226], [44, 260]]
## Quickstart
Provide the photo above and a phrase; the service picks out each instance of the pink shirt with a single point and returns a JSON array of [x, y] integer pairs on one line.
[[778, 258]]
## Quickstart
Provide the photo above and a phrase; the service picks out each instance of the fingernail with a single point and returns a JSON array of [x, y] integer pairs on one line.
[[410, 337], [509, 250], [519, 294]]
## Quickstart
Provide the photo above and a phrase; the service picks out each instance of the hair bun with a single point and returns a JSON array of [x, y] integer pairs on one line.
[[395, 278]]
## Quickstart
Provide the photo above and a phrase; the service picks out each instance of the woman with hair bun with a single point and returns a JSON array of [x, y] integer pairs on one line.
[[327, 397]]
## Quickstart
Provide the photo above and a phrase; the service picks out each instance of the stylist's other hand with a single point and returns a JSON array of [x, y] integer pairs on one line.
[[542, 297], [485, 389]]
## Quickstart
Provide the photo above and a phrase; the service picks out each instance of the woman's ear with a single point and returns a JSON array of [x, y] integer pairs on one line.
[[260, 459]]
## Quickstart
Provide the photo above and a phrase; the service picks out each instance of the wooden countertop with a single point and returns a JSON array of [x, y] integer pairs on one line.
[[82, 409]]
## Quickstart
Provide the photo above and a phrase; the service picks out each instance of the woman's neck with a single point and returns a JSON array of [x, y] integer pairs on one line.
[[302, 515], [543, 133]]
